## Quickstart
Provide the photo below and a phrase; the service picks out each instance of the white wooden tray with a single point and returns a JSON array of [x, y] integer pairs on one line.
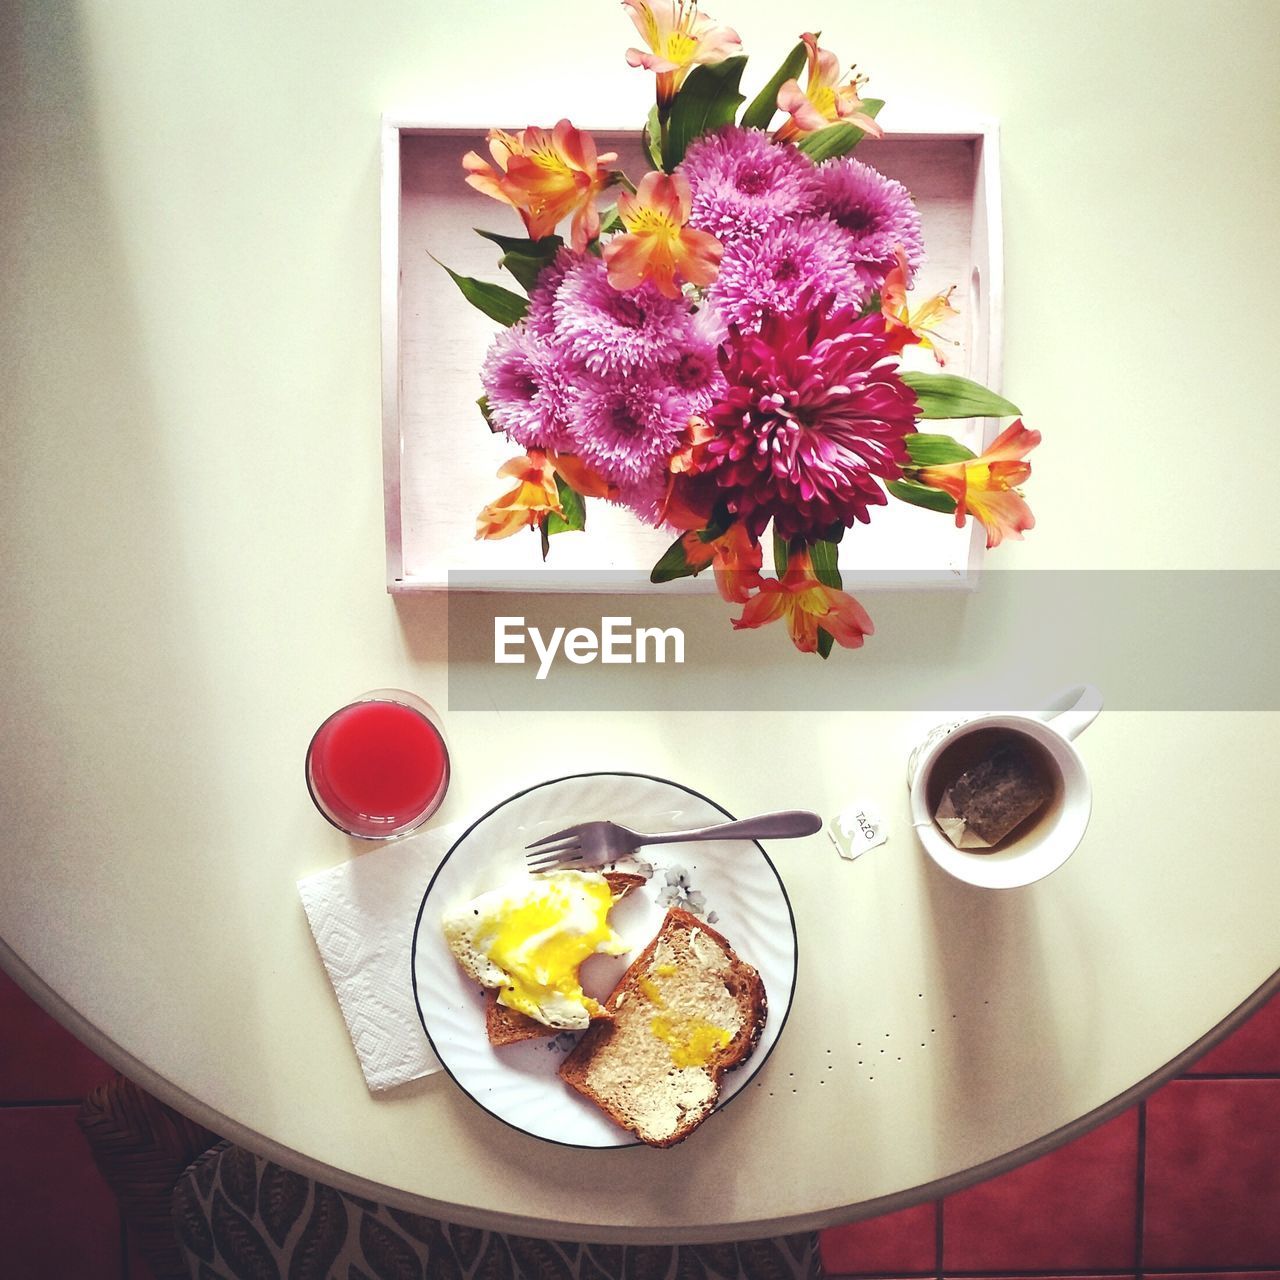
[[440, 459]]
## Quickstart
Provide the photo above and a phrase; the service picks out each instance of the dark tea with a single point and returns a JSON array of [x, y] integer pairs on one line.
[[992, 789]]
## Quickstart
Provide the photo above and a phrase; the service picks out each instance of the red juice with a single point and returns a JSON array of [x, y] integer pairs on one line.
[[378, 767]]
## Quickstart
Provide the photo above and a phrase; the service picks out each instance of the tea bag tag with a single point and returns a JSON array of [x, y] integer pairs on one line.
[[956, 828], [856, 829]]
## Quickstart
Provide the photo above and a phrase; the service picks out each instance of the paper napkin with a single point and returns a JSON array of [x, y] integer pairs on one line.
[[362, 914]]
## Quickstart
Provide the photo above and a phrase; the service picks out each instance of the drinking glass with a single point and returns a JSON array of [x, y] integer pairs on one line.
[[379, 766]]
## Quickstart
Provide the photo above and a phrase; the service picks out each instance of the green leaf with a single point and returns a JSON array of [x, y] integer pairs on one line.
[[708, 99], [764, 106], [920, 495], [525, 269], [610, 220], [496, 302], [675, 564], [781, 553], [721, 519], [936, 451], [523, 257], [944, 395], [823, 556], [838, 139], [483, 405], [575, 511], [653, 138], [544, 248]]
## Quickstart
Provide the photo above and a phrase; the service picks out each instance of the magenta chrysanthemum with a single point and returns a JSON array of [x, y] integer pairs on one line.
[[773, 273], [695, 374], [744, 184], [626, 430], [611, 332], [876, 212], [526, 387], [540, 318], [646, 499], [814, 418]]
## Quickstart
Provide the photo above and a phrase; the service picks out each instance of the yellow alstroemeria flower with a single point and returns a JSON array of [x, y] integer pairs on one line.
[[984, 487], [679, 39], [823, 101], [546, 176], [807, 605], [657, 244], [906, 327], [535, 495]]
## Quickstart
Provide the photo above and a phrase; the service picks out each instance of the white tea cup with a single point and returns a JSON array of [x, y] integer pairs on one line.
[[1045, 841]]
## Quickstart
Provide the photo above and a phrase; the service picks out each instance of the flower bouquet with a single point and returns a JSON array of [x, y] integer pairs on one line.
[[719, 350]]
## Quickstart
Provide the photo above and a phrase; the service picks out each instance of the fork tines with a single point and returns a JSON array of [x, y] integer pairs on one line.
[[543, 856], [546, 860]]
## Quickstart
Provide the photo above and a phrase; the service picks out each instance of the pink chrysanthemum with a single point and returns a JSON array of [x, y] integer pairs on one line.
[[697, 378], [877, 214], [814, 418], [646, 499], [609, 332], [524, 380], [771, 274], [540, 318], [695, 374], [744, 184], [626, 429]]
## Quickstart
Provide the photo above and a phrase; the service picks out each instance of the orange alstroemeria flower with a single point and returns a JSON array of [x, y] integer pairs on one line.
[[535, 495], [682, 506], [545, 176], [984, 487], [734, 557], [679, 39], [807, 605], [657, 245], [688, 501], [580, 478], [905, 327], [823, 100], [687, 460]]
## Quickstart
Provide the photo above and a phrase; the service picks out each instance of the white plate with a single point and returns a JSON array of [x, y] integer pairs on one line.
[[518, 1083]]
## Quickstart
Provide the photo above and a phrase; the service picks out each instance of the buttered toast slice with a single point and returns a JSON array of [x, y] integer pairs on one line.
[[688, 1010], [509, 1026]]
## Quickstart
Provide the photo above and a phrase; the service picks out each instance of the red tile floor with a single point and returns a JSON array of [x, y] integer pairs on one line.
[[1186, 1184]]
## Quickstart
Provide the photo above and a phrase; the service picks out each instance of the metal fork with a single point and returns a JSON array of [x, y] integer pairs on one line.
[[591, 844]]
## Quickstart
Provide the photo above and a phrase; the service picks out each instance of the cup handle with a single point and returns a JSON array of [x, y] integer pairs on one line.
[[1073, 710]]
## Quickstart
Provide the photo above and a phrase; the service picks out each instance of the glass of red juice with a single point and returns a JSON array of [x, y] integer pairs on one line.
[[379, 766]]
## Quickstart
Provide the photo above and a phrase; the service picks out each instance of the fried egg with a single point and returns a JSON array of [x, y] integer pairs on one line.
[[528, 937]]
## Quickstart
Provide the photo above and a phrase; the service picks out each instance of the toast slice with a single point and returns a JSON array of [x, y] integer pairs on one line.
[[510, 1026], [686, 1011]]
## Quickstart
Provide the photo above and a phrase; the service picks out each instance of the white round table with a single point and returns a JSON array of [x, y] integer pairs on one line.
[[191, 514]]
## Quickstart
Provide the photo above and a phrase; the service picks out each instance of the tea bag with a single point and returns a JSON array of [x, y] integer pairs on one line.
[[992, 797]]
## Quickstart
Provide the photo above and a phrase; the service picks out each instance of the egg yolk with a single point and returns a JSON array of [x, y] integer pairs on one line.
[[540, 943], [692, 1042]]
